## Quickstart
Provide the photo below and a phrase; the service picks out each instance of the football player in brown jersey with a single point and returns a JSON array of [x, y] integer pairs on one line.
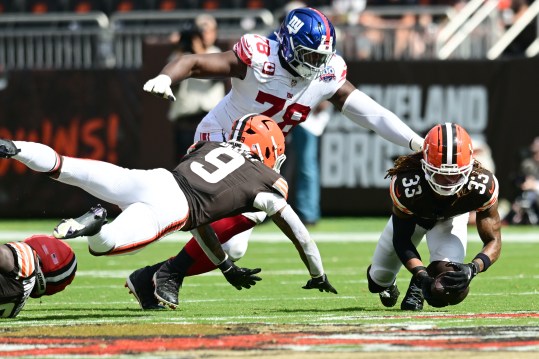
[[40, 265], [214, 181], [432, 192]]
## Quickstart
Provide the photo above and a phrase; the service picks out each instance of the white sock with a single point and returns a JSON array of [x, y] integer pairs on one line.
[[37, 156]]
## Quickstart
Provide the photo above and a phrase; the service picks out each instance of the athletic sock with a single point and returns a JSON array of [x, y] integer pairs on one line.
[[37, 156]]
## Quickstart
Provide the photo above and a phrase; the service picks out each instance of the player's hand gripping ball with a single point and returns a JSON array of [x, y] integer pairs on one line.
[[443, 296]]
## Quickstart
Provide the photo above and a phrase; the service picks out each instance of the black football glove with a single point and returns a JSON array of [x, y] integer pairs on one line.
[[424, 281], [461, 277], [321, 283], [239, 277]]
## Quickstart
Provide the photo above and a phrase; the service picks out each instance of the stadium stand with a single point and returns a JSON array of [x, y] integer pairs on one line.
[[110, 33]]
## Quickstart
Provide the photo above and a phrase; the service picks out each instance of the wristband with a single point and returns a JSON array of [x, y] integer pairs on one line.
[[485, 259], [225, 265], [418, 269]]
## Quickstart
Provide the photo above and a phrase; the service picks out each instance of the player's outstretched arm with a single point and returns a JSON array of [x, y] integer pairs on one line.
[[366, 112], [238, 277], [215, 66], [290, 224]]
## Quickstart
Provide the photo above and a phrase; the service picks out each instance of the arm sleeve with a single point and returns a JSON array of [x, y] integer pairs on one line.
[[366, 112], [306, 245], [403, 229]]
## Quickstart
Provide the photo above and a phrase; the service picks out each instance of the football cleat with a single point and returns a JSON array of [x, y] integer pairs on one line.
[[389, 296], [88, 224], [8, 149], [140, 285], [413, 300], [167, 286]]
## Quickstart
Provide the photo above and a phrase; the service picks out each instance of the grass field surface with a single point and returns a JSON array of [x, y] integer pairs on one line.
[[96, 304]]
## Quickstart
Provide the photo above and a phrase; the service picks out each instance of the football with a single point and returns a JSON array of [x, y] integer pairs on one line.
[[436, 270]]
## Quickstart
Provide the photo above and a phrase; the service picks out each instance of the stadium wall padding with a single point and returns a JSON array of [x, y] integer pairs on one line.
[[105, 115]]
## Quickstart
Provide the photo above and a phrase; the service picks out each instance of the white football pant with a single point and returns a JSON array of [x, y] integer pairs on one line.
[[446, 241], [151, 201]]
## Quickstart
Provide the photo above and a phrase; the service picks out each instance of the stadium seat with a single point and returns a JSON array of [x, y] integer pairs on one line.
[[254, 4], [210, 4], [84, 6], [128, 5], [167, 5], [42, 6]]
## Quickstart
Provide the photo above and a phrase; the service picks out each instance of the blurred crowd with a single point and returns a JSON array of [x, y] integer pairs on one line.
[[525, 208], [111, 6], [369, 29]]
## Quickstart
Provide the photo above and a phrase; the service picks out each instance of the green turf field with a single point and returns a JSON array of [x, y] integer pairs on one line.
[[98, 296]]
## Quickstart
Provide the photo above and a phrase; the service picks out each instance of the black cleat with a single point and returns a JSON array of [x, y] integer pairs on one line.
[[413, 300], [140, 285], [8, 149], [88, 224], [389, 296], [167, 285]]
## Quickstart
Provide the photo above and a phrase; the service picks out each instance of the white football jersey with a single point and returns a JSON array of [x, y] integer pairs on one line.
[[271, 90]]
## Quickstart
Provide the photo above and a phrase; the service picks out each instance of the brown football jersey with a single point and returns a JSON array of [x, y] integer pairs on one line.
[[219, 181], [412, 194]]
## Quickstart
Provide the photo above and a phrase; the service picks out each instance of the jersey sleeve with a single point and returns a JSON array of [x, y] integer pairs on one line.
[[25, 259], [274, 193], [270, 203], [244, 48], [341, 69], [396, 192]]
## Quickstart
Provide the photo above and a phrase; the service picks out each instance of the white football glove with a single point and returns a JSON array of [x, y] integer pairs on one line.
[[160, 86], [416, 144]]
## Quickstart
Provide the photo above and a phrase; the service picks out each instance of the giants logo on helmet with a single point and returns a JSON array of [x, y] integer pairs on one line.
[[295, 25]]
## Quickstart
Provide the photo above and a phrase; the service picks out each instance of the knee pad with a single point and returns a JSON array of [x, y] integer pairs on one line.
[[373, 286], [235, 247], [257, 217]]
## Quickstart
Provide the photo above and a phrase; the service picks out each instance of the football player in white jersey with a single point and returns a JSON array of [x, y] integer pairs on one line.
[[285, 80]]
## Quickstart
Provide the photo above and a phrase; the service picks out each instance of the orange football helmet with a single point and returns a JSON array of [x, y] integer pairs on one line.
[[447, 158], [262, 136]]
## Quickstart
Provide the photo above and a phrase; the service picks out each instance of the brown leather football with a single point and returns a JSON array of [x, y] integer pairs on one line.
[[436, 270]]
